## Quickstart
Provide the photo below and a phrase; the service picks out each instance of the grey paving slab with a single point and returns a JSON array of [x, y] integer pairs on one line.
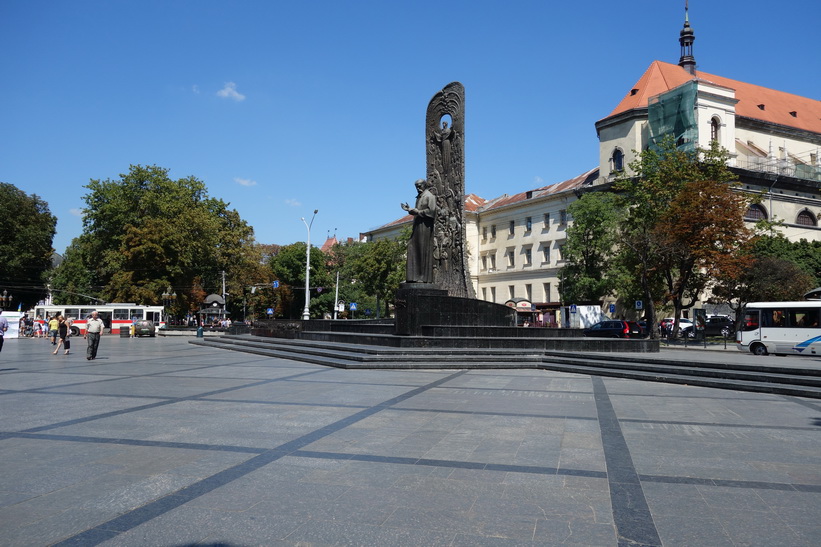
[[159, 442]]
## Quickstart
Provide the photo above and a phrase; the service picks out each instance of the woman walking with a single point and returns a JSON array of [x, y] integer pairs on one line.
[[63, 332]]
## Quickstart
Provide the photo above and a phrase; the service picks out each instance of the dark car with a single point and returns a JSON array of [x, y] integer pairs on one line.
[[144, 327], [615, 329], [715, 325]]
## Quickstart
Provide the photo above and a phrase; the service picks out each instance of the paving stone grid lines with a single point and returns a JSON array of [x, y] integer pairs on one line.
[[158, 442]]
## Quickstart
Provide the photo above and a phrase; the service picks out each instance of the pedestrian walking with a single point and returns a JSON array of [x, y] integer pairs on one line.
[[94, 329], [64, 332], [53, 325], [4, 326]]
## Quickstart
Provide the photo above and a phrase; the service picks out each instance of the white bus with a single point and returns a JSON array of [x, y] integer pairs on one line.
[[781, 328], [114, 315]]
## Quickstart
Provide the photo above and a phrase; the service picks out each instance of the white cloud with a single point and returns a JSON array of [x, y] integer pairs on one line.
[[292, 202], [76, 212], [538, 180], [230, 92], [245, 182], [196, 89]]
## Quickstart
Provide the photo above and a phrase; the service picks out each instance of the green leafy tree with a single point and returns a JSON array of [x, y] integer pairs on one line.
[[591, 249], [766, 278], [771, 268], [288, 267], [685, 222], [381, 268], [145, 232], [25, 245]]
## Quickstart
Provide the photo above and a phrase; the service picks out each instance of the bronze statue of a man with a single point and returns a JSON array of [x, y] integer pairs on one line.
[[420, 246]]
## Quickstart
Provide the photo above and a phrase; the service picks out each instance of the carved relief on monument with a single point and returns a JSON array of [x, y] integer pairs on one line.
[[445, 143]]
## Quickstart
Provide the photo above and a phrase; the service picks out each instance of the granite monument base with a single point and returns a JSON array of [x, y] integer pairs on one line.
[[424, 305]]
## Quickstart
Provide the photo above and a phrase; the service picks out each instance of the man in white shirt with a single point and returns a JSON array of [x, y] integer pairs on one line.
[[4, 326], [94, 329]]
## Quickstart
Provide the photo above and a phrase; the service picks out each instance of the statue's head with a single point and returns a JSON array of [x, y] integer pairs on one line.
[[444, 124], [421, 184]]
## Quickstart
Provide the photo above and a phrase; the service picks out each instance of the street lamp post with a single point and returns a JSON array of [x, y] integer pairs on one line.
[[5, 299], [306, 313], [168, 298]]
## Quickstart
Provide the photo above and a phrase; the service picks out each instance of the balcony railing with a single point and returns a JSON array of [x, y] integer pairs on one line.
[[779, 167]]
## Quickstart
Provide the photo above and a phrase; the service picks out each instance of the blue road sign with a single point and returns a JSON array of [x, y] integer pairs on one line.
[[612, 308], [572, 308], [270, 311], [276, 284], [353, 306]]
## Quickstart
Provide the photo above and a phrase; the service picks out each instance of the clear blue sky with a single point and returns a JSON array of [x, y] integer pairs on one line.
[[285, 107]]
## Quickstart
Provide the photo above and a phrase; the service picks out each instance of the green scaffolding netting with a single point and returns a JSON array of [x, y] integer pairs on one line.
[[810, 172], [673, 113]]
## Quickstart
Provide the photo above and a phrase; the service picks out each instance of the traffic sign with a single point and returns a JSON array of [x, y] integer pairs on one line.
[[352, 306], [270, 311], [276, 284], [573, 308]]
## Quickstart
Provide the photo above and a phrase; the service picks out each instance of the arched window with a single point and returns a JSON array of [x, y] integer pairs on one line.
[[755, 212], [618, 160], [805, 218], [715, 125]]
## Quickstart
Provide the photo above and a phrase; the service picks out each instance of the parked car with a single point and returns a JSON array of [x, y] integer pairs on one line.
[[615, 329], [144, 327], [716, 325]]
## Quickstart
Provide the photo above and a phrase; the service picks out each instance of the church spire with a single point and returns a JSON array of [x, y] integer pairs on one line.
[[686, 39]]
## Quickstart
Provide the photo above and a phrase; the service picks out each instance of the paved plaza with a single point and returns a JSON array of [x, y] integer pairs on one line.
[[159, 442]]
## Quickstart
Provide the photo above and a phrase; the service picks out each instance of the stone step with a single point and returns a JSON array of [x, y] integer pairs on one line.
[[764, 384], [784, 380]]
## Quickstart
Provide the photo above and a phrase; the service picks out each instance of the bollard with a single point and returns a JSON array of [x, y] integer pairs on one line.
[[199, 332]]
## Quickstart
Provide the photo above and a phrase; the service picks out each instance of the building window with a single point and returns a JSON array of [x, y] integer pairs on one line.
[[493, 231], [511, 258], [546, 221], [493, 294], [511, 227], [529, 292], [618, 160], [563, 217], [484, 262], [484, 232], [714, 127], [755, 212], [561, 251], [546, 288], [546, 253], [528, 224], [805, 218], [492, 262], [484, 293], [528, 257], [511, 291]]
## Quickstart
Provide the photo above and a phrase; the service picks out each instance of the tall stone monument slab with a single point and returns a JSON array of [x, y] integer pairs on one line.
[[445, 152]]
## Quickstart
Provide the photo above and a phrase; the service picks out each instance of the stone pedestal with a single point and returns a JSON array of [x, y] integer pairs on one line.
[[420, 306], [415, 307]]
